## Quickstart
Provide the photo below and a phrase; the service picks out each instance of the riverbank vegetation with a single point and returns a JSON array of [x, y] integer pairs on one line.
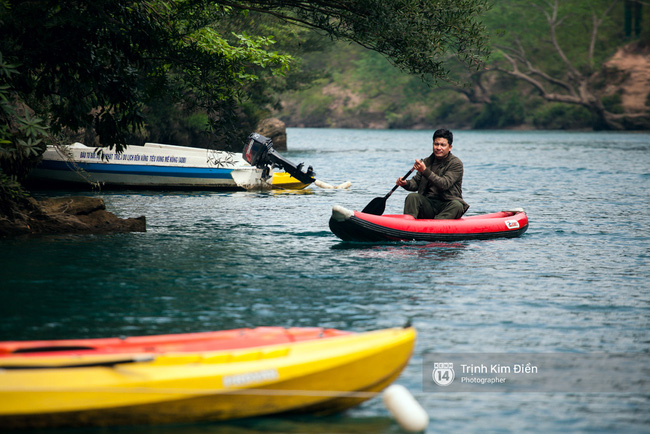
[[117, 72], [573, 64], [203, 73]]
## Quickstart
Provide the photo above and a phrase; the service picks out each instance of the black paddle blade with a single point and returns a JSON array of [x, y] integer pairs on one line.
[[376, 206]]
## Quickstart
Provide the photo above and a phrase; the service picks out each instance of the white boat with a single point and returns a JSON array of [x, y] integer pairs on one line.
[[150, 166]]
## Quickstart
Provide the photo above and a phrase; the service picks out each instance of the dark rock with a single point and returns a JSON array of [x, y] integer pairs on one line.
[[275, 130], [68, 215], [72, 205]]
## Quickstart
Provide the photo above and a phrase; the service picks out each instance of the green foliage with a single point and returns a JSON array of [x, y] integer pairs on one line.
[[503, 111], [180, 121], [452, 111], [514, 23], [314, 107], [249, 49], [106, 75], [510, 24], [99, 73], [12, 195], [401, 119], [613, 103], [22, 136], [556, 47], [415, 35], [169, 122], [197, 121], [557, 116]]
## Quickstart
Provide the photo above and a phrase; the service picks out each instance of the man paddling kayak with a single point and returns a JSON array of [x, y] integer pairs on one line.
[[438, 183]]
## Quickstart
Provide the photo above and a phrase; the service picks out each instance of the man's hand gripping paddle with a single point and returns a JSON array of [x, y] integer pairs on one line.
[[378, 204]]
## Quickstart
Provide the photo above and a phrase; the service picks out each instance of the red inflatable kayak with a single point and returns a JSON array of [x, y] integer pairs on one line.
[[186, 342], [351, 225]]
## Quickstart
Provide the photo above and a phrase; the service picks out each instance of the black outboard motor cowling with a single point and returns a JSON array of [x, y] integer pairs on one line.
[[259, 152], [256, 150]]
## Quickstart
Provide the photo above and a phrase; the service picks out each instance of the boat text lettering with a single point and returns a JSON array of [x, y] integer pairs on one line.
[[250, 377], [134, 157]]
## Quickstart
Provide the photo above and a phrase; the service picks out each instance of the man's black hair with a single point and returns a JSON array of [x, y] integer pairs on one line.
[[445, 134]]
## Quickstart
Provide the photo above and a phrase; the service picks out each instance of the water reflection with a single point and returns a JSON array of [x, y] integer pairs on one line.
[[433, 251], [340, 423], [289, 192]]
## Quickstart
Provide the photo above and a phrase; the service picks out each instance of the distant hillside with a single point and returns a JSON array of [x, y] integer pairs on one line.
[[634, 86], [362, 90]]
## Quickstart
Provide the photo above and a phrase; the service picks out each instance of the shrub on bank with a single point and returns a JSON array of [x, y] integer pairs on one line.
[[558, 116]]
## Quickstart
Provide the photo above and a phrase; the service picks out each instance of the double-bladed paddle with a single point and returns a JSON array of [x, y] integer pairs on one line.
[[378, 204]]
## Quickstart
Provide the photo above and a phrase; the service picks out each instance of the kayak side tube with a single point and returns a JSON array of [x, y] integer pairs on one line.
[[317, 375], [358, 226]]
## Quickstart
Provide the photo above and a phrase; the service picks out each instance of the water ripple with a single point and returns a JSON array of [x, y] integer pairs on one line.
[[575, 282]]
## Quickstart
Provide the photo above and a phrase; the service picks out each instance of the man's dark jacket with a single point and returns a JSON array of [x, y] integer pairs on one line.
[[441, 180]]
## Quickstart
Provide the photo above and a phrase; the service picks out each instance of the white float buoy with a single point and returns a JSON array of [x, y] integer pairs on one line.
[[325, 185], [405, 409]]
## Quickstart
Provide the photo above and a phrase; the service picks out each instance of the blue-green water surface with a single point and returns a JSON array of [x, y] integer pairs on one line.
[[576, 282]]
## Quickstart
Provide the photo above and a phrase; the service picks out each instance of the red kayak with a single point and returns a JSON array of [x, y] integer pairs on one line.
[[186, 342], [351, 225]]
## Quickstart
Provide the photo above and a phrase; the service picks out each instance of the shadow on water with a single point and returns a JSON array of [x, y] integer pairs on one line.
[[387, 250], [340, 423]]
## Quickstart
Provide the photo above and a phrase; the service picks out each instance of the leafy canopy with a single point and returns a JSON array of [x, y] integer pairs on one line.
[[95, 65], [415, 35]]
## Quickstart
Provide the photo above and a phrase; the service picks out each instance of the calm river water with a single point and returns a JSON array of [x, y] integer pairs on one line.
[[576, 282]]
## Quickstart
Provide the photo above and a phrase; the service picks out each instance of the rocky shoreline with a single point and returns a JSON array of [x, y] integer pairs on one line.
[[67, 215]]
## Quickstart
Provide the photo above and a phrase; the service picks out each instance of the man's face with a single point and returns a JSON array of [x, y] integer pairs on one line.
[[441, 147]]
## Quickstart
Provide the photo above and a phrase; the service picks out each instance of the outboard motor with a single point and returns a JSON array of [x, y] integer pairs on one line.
[[259, 152]]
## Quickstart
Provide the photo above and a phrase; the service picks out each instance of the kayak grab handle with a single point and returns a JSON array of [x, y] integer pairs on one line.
[[106, 363], [51, 349]]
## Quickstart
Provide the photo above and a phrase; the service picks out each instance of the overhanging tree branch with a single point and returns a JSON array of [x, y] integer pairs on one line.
[[567, 84], [414, 35], [553, 23], [97, 74], [596, 23]]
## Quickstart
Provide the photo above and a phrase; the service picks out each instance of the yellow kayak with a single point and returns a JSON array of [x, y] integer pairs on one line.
[[283, 180], [318, 375]]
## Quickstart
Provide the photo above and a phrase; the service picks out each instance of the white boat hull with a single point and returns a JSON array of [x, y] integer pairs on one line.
[[149, 166]]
